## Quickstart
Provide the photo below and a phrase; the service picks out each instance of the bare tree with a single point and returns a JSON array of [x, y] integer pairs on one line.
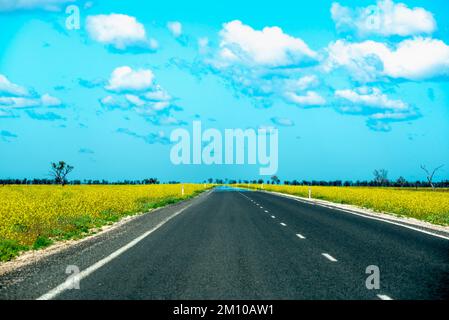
[[430, 175], [380, 177], [401, 181], [60, 171]]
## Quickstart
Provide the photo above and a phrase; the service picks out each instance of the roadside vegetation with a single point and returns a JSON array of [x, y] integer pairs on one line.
[[35, 216], [431, 205]]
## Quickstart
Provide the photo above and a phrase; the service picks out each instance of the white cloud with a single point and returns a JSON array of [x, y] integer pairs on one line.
[[48, 5], [413, 59], [137, 90], [203, 45], [269, 47], [371, 98], [18, 102], [126, 79], [285, 122], [50, 101], [7, 87], [311, 98], [158, 94], [120, 31], [161, 105], [13, 96], [386, 19], [302, 83], [259, 63], [175, 28], [379, 109], [112, 102], [135, 100], [29, 102]]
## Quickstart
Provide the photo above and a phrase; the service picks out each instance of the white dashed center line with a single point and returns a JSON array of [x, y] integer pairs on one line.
[[329, 257], [273, 217], [266, 211], [300, 236], [283, 224]]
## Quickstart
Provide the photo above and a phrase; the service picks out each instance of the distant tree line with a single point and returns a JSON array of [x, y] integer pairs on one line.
[[61, 169], [78, 182], [380, 179], [340, 183], [335, 183]]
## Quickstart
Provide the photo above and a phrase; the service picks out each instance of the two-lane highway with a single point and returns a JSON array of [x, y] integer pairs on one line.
[[236, 244]]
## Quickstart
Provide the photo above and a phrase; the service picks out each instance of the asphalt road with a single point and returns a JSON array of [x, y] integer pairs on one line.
[[243, 245]]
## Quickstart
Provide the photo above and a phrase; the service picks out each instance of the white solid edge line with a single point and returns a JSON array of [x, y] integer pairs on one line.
[[329, 257], [384, 297], [85, 273], [366, 216], [283, 224], [300, 236]]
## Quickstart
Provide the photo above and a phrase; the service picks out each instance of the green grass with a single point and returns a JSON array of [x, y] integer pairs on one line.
[[9, 249]]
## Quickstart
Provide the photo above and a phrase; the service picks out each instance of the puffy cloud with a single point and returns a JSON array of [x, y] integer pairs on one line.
[[284, 122], [112, 102], [50, 101], [385, 19], [373, 98], [203, 45], [175, 28], [257, 63], [372, 102], [9, 88], [126, 79], [159, 94], [310, 99], [270, 46], [137, 90], [13, 96], [306, 82], [48, 5], [412, 59], [120, 31], [302, 83]]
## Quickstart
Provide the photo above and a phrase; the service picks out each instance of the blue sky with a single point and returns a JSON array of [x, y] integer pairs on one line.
[[352, 86]]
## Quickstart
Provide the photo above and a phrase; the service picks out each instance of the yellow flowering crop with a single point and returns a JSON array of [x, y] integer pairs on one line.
[[27, 212], [424, 204]]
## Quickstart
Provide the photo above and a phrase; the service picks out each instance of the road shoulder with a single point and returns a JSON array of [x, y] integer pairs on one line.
[[34, 273], [411, 223]]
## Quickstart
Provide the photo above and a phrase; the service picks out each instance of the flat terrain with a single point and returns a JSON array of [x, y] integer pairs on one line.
[[236, 244]]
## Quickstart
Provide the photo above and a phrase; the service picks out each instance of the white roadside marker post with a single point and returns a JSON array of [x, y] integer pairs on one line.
[[310, 193], [182, 190]]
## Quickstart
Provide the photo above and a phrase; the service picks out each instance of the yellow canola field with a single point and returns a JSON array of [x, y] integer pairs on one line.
[[424, 204], [27, 212]]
